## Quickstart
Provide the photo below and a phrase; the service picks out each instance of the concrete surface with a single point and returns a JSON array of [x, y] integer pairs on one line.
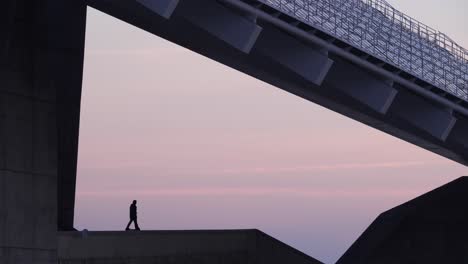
[[184, 247]]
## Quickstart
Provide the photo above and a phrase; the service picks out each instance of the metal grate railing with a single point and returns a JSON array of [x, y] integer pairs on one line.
[[377, 28]]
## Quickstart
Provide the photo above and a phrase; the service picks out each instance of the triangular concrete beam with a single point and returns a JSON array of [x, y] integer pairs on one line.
[[164, 8], [424, 115], [459, 134], [364, 87], [225, 24], [307, 61]]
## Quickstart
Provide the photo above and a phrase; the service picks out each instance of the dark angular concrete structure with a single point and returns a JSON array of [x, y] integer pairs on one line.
[[430, 229]]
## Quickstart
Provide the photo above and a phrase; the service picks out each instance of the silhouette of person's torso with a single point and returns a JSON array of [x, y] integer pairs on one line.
[[133, 211]]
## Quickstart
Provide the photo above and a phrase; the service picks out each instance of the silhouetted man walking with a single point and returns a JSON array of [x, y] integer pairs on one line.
[[133, 216]]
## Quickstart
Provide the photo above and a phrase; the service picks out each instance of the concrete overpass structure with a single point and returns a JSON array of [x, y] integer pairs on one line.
[[362, 59]]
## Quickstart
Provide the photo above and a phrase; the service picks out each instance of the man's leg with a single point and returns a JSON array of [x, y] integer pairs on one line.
[[136, 224], [129, 223]]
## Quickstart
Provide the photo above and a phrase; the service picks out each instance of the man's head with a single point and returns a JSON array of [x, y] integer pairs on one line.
[[134, 201]]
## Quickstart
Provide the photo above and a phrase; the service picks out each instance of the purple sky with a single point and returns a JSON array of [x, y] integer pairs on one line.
[[202, 146]]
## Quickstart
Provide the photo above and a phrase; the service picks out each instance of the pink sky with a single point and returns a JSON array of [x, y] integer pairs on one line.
[[202, 146]]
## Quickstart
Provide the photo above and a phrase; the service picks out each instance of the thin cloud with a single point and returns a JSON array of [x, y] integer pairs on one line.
[[249, 192], [270, 170], [330, 167]]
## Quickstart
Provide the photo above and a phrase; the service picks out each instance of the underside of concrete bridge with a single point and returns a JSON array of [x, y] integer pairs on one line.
[[278, 49]]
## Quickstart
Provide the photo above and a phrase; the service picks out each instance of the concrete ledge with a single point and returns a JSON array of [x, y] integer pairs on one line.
[[19, 255], [223, 23], [204, 247], [308, 62]]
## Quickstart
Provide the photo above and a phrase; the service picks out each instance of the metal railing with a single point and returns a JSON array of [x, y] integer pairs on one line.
[[378, 29]]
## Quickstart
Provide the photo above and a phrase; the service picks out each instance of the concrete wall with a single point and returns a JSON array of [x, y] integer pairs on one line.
[[174, 247], [38, 66]]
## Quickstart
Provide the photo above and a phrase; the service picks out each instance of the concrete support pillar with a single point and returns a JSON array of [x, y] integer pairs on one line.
[[41, 43], [223, 23], [310, 63], [28, 179], [424, 115], [164, 8], [58, 58], [362, 86]]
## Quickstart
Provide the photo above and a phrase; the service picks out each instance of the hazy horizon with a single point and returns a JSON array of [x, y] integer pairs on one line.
[[203, 146]]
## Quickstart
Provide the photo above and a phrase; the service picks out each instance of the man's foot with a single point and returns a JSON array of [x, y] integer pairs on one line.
[[126, 229]]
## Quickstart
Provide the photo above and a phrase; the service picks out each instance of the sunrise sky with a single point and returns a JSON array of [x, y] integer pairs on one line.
[[202, 146]]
